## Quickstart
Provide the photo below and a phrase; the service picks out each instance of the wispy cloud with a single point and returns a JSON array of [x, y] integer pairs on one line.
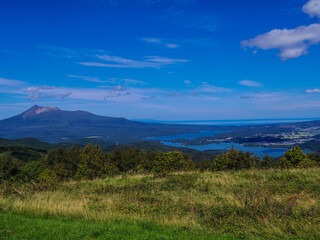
[[250, 83], [37, 93], [151, 40], [69, 53], [120, 62], [171, 45], [10, 82], [292, 43], [175, 94], [266, 97], [116, 93], [125, 81], [90, 79], [316, 90], [247, 97], [159, 41], [207, 88]]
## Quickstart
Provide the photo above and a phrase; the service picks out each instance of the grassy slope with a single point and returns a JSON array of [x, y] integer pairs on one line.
[[270, 204], [25, 227]]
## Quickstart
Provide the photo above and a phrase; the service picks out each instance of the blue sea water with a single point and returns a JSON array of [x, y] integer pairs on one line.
[[257, 151], [240, 122], [189, 136]]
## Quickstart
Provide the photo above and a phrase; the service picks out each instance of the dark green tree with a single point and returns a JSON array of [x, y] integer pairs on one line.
[[9, 167], [293, 157], [166, 162], [94, 163]]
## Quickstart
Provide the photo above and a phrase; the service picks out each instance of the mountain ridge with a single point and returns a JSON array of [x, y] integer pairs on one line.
[[51, 124]]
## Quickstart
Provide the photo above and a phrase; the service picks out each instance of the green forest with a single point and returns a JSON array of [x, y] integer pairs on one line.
[[21, 164]]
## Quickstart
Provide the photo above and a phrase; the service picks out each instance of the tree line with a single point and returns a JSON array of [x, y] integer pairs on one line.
[[91, 162]]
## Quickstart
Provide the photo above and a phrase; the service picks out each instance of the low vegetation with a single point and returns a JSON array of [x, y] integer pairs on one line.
[[236, 195], [91, 162], [262, 204]]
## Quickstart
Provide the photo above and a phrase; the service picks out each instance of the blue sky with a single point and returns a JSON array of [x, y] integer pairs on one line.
[[162, 59]]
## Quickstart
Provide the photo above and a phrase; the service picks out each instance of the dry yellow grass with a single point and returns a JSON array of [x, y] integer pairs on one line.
[[261, 203]]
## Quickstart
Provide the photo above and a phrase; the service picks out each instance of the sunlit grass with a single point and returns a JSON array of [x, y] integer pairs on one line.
[[257, 203]]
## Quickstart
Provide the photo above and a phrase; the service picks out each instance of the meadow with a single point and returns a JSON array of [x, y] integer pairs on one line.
[[245, 204]]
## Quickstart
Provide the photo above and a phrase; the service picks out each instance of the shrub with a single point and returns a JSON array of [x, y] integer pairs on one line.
[[293, 157], [126, 160], [9, 167], [267, 162], [32, 170], [166, 162], [308, 163], [314, 156], [48, 179], [234, 160], [94, 163]]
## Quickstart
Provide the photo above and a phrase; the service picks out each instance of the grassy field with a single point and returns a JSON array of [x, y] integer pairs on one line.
[[258, 204], [29, 227]]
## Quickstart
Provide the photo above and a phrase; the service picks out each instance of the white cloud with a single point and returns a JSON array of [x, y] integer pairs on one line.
[[312, 8], [151, 40], [316, 90], [292, 43], [36, 93], [119, 62], [90, 79], [112, 93], [250, 83], [187, 82], [165, 61], [207, 88], [159, 41], [132, 81], [10, 82], [172, 45], [110, 80]]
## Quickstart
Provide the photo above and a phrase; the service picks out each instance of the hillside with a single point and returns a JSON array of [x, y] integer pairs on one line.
[[249, 204], [33, 143]]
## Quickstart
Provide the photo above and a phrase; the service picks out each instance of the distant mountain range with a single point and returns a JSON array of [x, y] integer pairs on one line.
[[53, 125]]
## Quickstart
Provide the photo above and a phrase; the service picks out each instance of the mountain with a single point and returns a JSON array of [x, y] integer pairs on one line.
[[53, 125]]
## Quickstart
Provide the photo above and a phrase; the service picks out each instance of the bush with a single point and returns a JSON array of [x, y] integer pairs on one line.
[[126, 160], [293, 157], [234, 160], [308, 163], [314, 156], [94, 163], [9, 168], [32, 170], [48, 179], [166, 162], [267, 162]]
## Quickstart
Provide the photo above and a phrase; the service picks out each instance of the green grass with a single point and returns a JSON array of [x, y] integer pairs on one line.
[[261, 204], [23, 227]]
